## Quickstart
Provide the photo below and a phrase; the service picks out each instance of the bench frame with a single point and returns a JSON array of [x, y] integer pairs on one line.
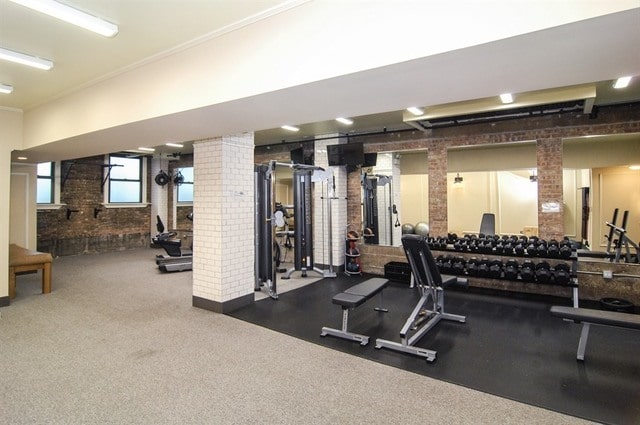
[[590, 317], [34, 267], [429, 310], [358, 299]]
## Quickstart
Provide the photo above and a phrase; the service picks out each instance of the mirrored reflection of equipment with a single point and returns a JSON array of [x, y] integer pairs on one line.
[[177, 259], [269, 218], [377, 191], [620, 241]]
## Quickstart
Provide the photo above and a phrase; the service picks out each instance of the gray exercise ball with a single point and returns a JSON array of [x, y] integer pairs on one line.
[[422, 228], [408, 229]]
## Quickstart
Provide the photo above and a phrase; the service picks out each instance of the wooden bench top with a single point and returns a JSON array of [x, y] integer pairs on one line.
[[19, 256]]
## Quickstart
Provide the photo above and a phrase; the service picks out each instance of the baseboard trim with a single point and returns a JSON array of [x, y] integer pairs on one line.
[[224, 307], [4, 301]]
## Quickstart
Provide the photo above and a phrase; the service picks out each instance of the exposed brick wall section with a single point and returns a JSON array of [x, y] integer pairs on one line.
[[549, 163], [114, 229], [437, 159]]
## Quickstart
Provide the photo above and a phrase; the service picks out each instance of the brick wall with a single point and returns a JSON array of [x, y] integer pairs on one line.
[[114, 229]]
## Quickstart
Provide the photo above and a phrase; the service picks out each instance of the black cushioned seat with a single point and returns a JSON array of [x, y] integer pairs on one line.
[[368, 288], [600, 317], [348, 300], [590, 317]]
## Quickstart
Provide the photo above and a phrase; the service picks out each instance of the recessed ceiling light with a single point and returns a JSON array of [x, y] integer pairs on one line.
[[71, 15], [290, 128], [506, 98], [345, 121], [175, 145], [24, 59], [147, 149], [622, 82], [415, 111], [634, 167], [5, 88]]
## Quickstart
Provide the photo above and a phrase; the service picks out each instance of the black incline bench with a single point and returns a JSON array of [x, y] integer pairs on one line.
[[354, 297], [590, 317]]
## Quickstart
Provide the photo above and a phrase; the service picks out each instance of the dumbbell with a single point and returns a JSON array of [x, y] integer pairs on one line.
[[541, 249], [562, 274], [553, 249], [519, 249], [439, 261], [511, 270], [459, 265], [483, 268], [472, 266], [447, 265], [543, 272], [565, 249], [532, 250], [495, 269], [527, 271]]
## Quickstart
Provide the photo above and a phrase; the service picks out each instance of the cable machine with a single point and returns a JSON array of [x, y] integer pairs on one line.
[[267, 251], [370, 185]]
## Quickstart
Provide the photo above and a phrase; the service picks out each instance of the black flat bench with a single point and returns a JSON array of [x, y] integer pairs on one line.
[[595, 317], [354, 297]]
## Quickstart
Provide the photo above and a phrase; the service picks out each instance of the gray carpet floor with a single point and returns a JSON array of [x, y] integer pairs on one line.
[[117, 341]]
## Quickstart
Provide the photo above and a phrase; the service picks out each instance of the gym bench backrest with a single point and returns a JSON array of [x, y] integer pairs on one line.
[[427, 273]]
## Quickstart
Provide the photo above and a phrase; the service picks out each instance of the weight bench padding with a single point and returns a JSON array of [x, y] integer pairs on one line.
[[354, 297], [589, 317]]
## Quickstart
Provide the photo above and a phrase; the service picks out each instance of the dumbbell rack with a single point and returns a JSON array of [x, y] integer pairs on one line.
[[351, 252], [490, 256]]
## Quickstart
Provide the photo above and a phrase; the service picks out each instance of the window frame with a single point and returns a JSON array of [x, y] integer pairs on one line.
[[177, 191], [108, 178]]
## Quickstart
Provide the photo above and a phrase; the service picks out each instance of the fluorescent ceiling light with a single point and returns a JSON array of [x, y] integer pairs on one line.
[[634, 167], [147, 149], [345, 121], [415, 111], [175, 145], [23, 59], [506, 98], [290, 128], [71, 15], [22, 158], [622, 82], [5, 88]]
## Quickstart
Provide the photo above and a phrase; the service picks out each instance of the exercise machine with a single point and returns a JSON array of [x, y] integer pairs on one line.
[[268, 217], [371, 183], [177, 258], [429, 310], [620, 240]]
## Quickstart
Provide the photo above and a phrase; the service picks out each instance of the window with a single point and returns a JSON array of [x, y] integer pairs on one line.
[[185, 190], [125, 179], [44, 188]]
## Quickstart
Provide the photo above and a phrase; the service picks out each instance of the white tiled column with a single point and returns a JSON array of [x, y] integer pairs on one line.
[[223, 215], [338, 208], [159, 197]]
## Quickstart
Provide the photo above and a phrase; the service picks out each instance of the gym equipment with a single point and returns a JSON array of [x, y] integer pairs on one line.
[[421, 228], [527, 271], [488, 224], [372, 217], [266, 219], [408, 229], [495, 269], [562, 274], [590, 317], [430, 308], [177, 259], [352, 254], [352, 298], [543, 272], [511, 270], [622, 241]]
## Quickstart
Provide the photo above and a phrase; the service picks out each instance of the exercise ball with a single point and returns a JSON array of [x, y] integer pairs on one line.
[[408, 229], [422, 229]]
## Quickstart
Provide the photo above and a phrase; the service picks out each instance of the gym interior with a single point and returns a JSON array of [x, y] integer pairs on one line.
[[246, 261]]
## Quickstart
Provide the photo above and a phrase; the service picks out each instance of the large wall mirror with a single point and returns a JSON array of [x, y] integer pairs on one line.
[[603, 173], [395, 192], [493, 179]]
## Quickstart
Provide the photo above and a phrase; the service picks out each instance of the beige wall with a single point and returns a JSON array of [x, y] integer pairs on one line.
[[23, 211]]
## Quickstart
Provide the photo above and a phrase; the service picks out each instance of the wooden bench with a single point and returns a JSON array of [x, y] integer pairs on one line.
[[590, 317], [352, 298], [22, 260]]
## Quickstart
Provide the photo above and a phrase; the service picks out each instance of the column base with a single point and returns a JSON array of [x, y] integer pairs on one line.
[[224, 307]]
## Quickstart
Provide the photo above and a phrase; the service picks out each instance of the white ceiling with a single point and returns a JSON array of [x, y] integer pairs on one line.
[[583, 52]]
